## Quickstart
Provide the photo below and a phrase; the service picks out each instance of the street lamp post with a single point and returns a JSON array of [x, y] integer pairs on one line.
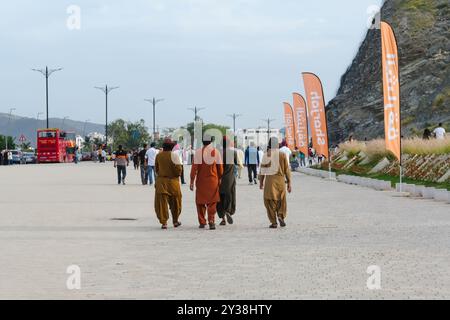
[[106, 90], [9, 120], [196, 111], [47, 73], [154, 102], [234, 116], [268, 121]]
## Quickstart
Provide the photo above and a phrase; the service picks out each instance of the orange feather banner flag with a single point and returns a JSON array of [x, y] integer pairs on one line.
[[301, 123], [289, 123], [391, 89], [316, 113]]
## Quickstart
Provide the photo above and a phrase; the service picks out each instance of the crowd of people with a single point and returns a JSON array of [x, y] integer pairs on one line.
[[6, 158], [213, 176]]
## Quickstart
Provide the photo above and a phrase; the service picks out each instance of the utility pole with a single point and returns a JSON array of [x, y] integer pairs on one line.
[[268, 121], [234, 116], [106, 90], [154, 102], [196, 111], [9, 120], [47, 73]]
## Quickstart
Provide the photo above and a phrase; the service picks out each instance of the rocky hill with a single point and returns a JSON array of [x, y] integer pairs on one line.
[[423, 35], [28, 126]]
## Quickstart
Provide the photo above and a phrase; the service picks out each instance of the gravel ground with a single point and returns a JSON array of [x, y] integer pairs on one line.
[[53, 216]]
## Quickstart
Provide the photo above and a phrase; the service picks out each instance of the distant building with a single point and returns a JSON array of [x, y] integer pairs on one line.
[[258, 136]]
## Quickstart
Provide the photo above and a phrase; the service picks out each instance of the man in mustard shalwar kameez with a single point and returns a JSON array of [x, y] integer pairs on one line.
[[275, 175], [168, 192]]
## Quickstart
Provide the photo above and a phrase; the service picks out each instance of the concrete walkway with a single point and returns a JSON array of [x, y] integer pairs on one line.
[[53, 216]]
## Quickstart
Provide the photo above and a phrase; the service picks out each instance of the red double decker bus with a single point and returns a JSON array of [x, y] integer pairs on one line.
[[55, 146]]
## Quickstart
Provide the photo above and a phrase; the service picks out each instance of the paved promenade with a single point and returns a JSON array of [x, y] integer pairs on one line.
[[53, 216]]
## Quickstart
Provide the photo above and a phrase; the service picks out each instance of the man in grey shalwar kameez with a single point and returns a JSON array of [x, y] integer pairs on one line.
[[227, 205]]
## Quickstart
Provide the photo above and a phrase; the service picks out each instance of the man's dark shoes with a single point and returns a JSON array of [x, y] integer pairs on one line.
[[229, 218]]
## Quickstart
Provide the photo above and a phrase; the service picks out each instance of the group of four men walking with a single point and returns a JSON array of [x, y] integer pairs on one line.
[[213, 178]]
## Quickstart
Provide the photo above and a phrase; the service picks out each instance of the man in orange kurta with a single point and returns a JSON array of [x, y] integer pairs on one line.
[[206, 173]]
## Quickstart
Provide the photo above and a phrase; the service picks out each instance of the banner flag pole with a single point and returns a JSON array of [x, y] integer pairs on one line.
[[391, 90]]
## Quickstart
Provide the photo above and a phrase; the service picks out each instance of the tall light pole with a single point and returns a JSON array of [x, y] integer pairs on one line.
[[106, 90], [154, 102], [268, 121], [196, 111], [7, 126], [47, 73], [234, 116]]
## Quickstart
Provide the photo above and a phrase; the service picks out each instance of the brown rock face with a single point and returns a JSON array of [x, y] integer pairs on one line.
[[423, 35]]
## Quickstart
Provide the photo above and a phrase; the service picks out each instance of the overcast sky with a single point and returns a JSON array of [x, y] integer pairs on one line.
[[242, 56]]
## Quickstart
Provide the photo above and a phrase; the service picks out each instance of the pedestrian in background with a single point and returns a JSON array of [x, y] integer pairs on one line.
[[240, 162], [150, 156], [121, 162], [143, 164], [252, 162]]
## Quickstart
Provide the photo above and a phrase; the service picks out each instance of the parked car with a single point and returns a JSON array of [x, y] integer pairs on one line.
[[17, 157], [29, 158]]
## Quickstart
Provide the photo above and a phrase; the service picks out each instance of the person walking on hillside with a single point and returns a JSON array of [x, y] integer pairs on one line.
[[168, 190], [227, 190], [252, 162], [275, 175], [150, 156], [426, 134], [206, 172], [143, 164], [121, 162], [439, 132]]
